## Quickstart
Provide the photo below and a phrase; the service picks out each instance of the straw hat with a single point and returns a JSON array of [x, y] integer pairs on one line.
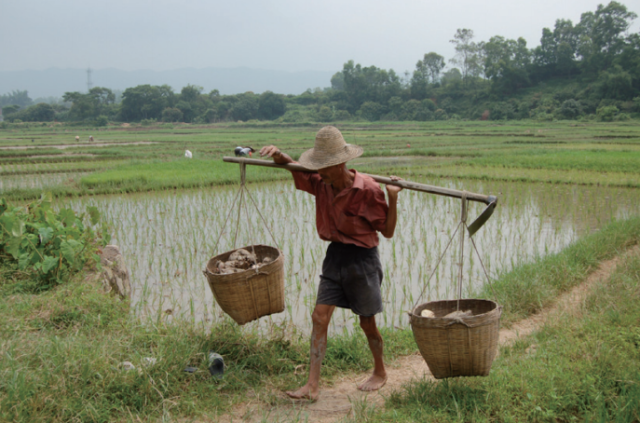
[[330, 149]]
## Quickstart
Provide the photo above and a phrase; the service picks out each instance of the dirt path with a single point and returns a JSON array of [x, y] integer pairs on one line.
[[337, 401]]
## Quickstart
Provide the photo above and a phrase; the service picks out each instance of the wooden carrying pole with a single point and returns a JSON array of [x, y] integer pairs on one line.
[[490, 200]]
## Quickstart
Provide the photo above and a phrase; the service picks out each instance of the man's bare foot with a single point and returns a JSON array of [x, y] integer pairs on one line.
[[304, 393], [374, 383]]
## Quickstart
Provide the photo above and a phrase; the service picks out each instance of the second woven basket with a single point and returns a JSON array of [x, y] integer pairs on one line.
[[464, 346]]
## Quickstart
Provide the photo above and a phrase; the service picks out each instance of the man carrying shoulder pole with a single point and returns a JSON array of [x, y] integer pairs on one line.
[[350, 210]]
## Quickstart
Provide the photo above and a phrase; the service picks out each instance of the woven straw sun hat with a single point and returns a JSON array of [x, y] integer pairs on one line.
[[330, 149]]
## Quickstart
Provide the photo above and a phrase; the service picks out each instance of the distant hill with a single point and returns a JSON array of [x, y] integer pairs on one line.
[[55, 82]]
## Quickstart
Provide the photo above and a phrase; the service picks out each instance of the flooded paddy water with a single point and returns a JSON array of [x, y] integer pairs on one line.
[[168, 237]]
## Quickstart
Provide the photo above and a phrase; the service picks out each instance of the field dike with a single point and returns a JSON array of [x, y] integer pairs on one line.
[[342, 400]]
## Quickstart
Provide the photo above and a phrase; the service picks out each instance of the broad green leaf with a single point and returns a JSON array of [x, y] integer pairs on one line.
[[24, 260], [70, 249], [45, 234], [17, 228], [94, 214], [6, 223], [49, 263], [67, 216], [13, 247]]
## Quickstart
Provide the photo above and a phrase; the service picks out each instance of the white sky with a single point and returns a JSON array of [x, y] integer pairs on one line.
[[289, 35]]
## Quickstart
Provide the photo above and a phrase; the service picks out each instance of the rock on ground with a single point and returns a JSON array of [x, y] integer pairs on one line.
[[115, 275]]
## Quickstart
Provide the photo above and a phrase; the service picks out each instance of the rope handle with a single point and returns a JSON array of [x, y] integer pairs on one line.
[[463, 220], [240, 194]]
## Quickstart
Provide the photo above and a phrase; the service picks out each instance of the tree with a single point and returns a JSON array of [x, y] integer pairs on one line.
[[17, 97], [190, 93], [246, 108], [82, 107], [171, 114], [337, 81], [433, 63], [615, 84], [41, 112], [371, 111], [506, 62], [146, 102], [368, 84], [467, 53], [271, 106], [601, 35]]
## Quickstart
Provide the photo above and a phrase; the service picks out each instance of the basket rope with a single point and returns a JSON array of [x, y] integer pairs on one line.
[[463, 222], [240, 194]]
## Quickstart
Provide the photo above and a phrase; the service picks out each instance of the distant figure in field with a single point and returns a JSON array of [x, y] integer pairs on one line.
[[188, 154], [244, 151], [90, 137], [77, 138]]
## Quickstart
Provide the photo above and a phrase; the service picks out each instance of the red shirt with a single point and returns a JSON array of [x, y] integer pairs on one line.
[[351, 217]]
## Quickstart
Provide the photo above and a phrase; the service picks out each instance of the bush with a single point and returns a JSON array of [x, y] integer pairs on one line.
[[441, 115], [622, 117], [341, 115], [171, 114], [371, 111], [570, 109], [48, 244], [324, 114], [502, 111], [101, 121], [606, 113]]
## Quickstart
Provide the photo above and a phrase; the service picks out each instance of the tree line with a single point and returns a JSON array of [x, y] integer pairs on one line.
[[590, 69]]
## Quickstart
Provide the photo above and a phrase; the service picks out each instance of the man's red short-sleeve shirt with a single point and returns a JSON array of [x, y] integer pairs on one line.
[[354, 215]]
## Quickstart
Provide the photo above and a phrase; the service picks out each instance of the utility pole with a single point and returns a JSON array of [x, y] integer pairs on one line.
[[89, 79]]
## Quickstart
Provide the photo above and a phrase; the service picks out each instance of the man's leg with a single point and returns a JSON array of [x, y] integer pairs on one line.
[[321, 317], [379, 376]]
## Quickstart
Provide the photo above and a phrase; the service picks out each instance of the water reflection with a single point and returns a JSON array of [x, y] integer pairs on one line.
[[167, 238]]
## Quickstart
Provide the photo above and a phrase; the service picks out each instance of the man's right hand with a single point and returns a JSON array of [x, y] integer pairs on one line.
[[275, 153]]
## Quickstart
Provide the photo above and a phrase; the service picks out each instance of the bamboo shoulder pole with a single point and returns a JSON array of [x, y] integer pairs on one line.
[[486, 199]]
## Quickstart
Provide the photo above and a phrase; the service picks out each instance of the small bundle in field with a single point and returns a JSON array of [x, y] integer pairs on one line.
[[248, 282]]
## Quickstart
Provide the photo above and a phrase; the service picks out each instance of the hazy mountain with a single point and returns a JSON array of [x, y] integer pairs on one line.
[[55, 82]]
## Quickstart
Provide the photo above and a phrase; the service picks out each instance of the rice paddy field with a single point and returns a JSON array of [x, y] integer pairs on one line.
[[568, 196], [555, 182]]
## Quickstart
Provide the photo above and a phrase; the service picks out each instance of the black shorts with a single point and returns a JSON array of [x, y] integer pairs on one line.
[[351, 278]]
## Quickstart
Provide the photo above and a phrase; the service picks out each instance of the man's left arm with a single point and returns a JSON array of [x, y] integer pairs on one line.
[[392, 214]]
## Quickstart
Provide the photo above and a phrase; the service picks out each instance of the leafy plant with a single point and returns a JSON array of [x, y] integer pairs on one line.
[[52, 245]]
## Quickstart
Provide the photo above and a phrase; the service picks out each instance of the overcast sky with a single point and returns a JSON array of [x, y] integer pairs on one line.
[[290, 35]]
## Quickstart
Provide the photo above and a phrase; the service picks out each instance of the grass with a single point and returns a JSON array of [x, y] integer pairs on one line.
[[530, 287]]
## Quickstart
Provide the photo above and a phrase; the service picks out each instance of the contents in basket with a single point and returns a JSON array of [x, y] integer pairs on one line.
[[458, 313], [239, 261], [428, 313]]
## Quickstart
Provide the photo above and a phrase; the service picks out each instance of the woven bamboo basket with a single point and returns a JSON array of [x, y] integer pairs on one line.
[[464, 346], [249, 295]]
